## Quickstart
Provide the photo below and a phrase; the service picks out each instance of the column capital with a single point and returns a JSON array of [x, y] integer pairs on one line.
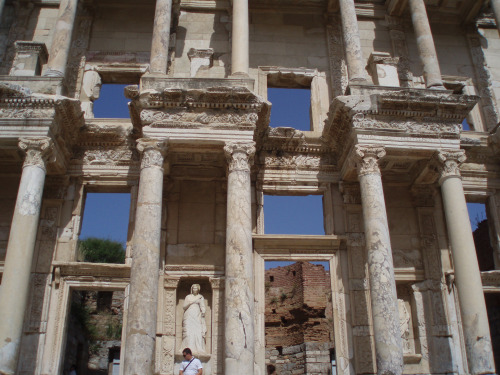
[[39, 150], [239, 155], [448, 162], [153, 152], [367, 157]]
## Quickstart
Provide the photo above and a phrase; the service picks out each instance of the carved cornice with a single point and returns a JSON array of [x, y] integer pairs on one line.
[[221, 107], [448, 163], [367, 158], [39, 151], [414, 112], [239, 156], [153, 152]]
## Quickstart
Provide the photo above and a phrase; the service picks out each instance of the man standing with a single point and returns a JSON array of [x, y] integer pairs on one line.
[[190, 365]]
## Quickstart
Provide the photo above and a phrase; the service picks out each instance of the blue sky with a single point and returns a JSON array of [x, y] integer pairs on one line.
[[107, 215]]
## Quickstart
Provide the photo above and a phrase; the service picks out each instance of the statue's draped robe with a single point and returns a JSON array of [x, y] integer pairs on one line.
[[193, 324]]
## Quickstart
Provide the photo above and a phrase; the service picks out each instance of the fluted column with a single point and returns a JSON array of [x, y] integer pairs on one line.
[[467, 275], [352, 43], [388, 343], [61, 41], [144, 274], [16, 277], [425, 44], [495, 6], [161, 37], [240, 45], [239, 293]]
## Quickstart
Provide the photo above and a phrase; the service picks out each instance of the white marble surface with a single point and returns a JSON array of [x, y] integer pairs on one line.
[[16, 277], [239, 293], [144, 276]]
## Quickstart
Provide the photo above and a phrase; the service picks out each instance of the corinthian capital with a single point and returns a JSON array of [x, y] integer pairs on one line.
[[153, 152], [239, 155], [367, 159], [38, 151], [449, 162]]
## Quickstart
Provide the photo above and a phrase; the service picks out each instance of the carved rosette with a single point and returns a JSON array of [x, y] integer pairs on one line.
[[367, 159], [449, 163], [38, 151], [153, 152], [239, 155]]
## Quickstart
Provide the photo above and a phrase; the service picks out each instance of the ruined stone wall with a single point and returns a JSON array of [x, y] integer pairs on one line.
[[312, 358], [298, 308]]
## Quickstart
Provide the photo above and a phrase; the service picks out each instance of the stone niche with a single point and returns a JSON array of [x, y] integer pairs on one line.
[[183, 289]]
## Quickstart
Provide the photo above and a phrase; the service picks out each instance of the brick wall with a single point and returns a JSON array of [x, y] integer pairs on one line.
[[298, 312]]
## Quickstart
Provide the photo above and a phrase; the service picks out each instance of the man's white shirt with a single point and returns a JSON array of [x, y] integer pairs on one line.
[[193, 368]]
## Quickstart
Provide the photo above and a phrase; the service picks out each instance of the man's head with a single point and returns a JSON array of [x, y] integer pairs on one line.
[[187, 354]]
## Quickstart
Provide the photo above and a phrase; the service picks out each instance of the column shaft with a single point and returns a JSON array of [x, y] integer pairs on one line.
[[240, 35], [352, 43], [161, 37], [467, 275], [61, 41], [425, 44], [239, 293], [388, 342], [20, 249], [495, 6], [144, 275]]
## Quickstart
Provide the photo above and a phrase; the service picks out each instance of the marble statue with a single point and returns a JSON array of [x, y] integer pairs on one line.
[[194, 328]]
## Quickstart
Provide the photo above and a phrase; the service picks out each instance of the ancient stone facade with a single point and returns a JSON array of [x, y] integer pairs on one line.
[[391, 84]]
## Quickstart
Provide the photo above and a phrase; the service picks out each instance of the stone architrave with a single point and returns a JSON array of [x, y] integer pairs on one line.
[[467, 274], [144, 274], [239, 291], [388, 343], [61, 41], [425, 44], [16, 277], [161, 37], [352, 42]]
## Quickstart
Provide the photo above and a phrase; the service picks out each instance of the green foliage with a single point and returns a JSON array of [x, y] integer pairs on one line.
[[274, 300], [81, 312], [114, 331], [99, 250], [283, 296]]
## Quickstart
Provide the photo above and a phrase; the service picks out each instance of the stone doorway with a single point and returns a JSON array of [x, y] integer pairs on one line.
[[283, 308]]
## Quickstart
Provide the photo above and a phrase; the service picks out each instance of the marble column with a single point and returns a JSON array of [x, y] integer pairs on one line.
[[20, 249], [495, 6], [240, 45], [352, 43], [161, 37], [239, 291], [144, 275], [425, 44], [467, 275], [388, 343], [61, 40]]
